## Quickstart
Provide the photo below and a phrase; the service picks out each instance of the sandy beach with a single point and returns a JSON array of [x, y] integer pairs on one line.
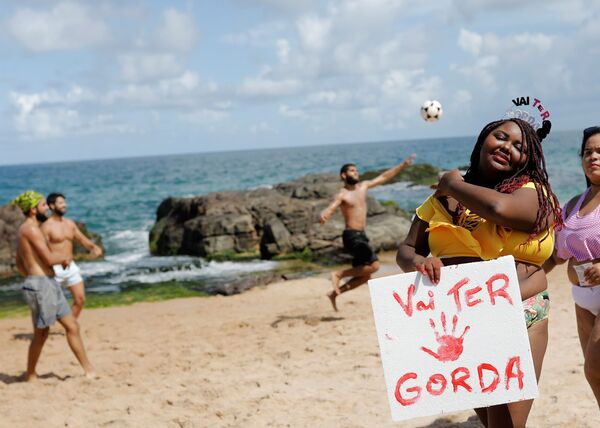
[[273, 356]]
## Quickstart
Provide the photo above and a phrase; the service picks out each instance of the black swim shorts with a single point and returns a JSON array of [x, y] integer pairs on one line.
[[357, 244]]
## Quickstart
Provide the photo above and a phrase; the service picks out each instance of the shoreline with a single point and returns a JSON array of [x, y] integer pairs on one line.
[[271, 356], [14, 306]]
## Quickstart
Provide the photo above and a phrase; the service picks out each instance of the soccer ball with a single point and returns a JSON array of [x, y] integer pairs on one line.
[[431, 111]]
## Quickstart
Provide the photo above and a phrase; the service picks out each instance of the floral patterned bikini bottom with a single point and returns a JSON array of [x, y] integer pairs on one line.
[[536, 308]]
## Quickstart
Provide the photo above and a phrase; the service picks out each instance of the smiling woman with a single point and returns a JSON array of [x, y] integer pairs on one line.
[[502, 206]]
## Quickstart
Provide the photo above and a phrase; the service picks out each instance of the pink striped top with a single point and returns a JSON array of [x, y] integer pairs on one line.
[[580, 237]]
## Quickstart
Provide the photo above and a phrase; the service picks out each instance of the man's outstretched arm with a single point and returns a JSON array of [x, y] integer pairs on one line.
[[95, 250], [386, 176], [330, 210]]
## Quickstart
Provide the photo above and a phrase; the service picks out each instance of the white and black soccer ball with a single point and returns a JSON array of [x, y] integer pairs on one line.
[[431, 111]]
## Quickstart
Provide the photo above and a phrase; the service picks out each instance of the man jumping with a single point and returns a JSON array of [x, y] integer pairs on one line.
[[60, 232], [42, 293], [352, 199]]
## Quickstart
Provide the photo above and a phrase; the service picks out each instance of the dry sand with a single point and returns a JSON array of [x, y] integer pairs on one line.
[[273, 356]]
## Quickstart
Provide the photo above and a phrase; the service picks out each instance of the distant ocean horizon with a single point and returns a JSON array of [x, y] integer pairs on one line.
[[118, 198]]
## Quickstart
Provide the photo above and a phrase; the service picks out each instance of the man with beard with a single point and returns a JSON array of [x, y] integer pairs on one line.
[[352, 200], [42, 293], [60, 232]]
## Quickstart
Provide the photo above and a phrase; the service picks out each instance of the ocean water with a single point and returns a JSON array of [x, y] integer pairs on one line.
[[118, 198]]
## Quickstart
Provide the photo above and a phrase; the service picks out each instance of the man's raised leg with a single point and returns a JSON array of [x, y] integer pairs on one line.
[[360, 275], [35, 349], [76, 344], [355, 272]]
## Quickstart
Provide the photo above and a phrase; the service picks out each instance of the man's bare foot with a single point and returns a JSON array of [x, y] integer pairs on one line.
[[332, 296], [335, 282], [30, 377], [92, 375]]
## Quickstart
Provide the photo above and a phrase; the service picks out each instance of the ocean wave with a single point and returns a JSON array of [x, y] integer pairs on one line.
[[229, 268], [188, 272], [261, 186], [151, 269], [129, 240]]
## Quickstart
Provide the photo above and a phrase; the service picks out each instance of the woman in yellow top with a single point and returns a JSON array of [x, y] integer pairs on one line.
[[502, 206]]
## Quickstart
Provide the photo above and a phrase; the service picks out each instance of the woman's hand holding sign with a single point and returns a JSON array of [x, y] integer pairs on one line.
[[431, 268]]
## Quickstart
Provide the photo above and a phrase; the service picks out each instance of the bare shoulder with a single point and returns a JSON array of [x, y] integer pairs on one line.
[[526, 193], [571, 204], [30, 231], [364, 185], [70, 223]]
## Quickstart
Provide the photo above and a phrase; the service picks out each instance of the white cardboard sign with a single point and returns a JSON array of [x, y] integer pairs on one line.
[[459, 345]]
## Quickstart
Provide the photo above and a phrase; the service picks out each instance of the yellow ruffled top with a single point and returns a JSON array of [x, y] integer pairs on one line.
[[477, 237]]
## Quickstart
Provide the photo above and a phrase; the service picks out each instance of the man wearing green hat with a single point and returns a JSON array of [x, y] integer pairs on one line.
[[42, 293]]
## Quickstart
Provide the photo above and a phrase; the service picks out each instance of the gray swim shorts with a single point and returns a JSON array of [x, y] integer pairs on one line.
[[45, 298]]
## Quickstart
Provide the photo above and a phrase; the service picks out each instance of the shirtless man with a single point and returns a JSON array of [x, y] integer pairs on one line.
[[60, 232], [42, 293], [352, 199]]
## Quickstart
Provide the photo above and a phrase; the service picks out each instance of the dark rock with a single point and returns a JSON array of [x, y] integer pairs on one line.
[[271, 222]]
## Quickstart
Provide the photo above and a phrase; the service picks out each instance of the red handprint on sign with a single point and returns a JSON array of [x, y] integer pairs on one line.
[[451, 347]]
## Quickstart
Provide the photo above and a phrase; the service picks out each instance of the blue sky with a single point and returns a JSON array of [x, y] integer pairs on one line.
[[85, 80]]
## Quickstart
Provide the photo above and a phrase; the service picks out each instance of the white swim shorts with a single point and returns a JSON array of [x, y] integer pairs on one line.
[[69, 276]]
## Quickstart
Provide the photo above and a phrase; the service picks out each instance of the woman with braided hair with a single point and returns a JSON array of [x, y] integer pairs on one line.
[[503, 205]]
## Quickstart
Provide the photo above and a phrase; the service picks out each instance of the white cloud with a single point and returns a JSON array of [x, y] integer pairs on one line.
[[183, 91], [262, 34], [313, 32], [263, 85], [410, 87], [287, 7], [78, 111], [177, 32], [470, 42], [482, 71], [204, 116], [66, 26], [146, 66], [388, 119], [470, 8], [50, 114], [291, 112], [283, 50]]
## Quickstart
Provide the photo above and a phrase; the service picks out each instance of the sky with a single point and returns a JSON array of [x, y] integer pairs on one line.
[[106, 79]]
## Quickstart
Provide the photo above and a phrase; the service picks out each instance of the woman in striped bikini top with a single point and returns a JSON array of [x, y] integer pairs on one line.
[[579, 243]]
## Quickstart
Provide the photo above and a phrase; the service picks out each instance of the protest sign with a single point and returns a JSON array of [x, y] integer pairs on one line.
[[457, 345]]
